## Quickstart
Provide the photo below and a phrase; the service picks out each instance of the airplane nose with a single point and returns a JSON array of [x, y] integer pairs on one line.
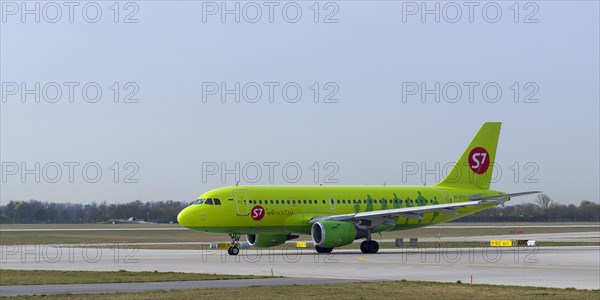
[[183, 217]]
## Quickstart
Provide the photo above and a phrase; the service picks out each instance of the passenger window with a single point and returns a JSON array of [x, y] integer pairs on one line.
[[304, 201], [217, 201], [209, 201], [271, 201], [323, 201], [288, 202]]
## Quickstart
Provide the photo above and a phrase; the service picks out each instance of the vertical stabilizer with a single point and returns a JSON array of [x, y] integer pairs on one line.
[[475, 166]]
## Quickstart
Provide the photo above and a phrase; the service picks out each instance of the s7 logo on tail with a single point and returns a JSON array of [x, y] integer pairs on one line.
[[479, 160]]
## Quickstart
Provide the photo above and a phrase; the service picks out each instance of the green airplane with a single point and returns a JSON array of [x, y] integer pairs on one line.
[[335, 216]]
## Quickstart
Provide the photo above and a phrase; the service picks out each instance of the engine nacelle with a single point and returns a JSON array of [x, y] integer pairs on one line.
[[268, 240], [331, 234]]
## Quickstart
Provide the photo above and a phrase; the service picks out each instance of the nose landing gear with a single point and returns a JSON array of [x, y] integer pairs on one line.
[[235, 242], [233, 250]]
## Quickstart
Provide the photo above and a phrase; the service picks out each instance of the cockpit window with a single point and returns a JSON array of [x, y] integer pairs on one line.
[[209, 201]]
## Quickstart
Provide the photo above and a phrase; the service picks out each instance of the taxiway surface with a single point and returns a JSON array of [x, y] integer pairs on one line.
[[562, 267]]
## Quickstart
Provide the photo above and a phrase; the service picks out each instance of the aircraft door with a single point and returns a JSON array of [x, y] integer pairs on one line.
[[447, 196], [242, 203]]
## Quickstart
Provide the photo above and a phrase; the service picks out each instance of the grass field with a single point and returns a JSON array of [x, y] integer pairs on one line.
[[28, 277], [183, 236], [384, 290]]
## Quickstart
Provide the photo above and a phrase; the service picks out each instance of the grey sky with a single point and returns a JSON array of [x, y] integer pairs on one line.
[[378, 131]]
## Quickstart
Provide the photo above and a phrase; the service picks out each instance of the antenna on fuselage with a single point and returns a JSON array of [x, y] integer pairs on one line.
[[384, 183]]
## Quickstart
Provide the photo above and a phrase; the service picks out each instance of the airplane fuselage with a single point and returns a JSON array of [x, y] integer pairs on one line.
[[289, 209]]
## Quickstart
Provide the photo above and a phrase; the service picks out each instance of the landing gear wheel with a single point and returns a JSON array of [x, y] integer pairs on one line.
[[363, 247], [235, 241], [373, 247], [233, 250], [323, 250], [369, 247]]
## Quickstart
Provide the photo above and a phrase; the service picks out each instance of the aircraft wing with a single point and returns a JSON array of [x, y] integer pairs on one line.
[[500, 198], [376, 217]]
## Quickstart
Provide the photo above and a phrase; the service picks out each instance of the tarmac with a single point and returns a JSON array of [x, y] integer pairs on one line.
[[561, 267]]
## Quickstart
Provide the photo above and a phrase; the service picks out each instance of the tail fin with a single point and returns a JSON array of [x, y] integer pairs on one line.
[[475, 166]]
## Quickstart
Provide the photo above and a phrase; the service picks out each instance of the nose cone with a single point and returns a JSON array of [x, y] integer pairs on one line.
[[184, 218]]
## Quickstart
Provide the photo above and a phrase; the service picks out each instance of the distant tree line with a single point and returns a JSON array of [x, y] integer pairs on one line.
[[586, 211], [34, 211]]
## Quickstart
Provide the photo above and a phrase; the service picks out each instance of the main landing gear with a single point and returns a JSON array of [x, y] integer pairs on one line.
[[323, 250], [369, 246], [235, 242]]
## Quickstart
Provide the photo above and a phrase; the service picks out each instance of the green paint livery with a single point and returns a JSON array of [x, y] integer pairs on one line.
[[337, 215]]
